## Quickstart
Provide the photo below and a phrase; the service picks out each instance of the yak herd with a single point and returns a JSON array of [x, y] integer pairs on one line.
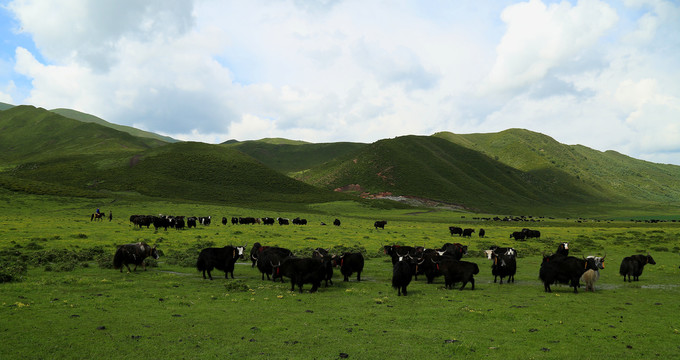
[[408, 262]]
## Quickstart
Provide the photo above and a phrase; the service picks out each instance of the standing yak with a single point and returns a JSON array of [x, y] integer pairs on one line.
[[133, 254], [633, 266]]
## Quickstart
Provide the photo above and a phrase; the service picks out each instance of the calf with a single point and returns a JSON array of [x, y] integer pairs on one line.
[[350, 263], [402, 272], [591, 276], [633, 266]]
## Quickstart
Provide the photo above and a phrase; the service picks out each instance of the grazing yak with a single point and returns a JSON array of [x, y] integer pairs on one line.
[[222, 258], [455, 230], [266, 258], [402, 272], [455, 250], [468, 232], [301, 271], [633, 266], [336, 222], [565, 270], [327, 259], [504, 264], [133, 254], [350, 263], [394, 251], [380, 224], [298, 221], [455, 271]]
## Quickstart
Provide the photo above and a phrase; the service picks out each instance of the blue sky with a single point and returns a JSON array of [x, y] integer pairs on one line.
[[603, 74]]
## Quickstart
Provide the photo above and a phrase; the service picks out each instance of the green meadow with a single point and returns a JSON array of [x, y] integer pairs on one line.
[[67, 302]]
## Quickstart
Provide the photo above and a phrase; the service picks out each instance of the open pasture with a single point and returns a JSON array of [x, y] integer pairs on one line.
[[169, 311]]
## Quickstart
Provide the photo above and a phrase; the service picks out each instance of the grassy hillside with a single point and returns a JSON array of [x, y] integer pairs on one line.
[[289, 157], [609, 172], [43, 152], [191, 171], [32, 134], [77, 115], [438, 169], [514, 171], [4, 106]]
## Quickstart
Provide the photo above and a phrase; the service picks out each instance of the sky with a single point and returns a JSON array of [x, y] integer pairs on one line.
[[604, 74]]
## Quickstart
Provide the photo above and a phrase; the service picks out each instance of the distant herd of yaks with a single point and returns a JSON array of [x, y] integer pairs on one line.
[[182, 222], [408, 261]]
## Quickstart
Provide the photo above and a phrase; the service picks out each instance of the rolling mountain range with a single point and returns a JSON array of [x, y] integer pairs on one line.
[[514, 171]]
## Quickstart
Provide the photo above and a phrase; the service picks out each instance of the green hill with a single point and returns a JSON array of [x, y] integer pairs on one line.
[[612, 174], [32, 134], [438, 169], [55, 154], [191, 171], [80, 116], [511, 172], [288, 157], [4, 106]]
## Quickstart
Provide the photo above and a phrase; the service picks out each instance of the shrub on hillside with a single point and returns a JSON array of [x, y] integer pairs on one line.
[[11, 271]]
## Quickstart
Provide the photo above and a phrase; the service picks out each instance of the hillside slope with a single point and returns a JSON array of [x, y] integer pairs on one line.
[[80, 116], [52, 153], [31, 134], [438, 169], [609, 172], [289, 157]]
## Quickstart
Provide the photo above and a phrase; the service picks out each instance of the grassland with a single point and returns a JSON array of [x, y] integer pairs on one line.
[[87, 310]]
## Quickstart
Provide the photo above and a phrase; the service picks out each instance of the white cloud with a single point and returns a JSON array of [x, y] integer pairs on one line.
[[588, 72], [542, 37]]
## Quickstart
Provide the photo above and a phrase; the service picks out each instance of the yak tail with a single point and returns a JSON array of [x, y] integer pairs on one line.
[[623, 270], [118, 259]]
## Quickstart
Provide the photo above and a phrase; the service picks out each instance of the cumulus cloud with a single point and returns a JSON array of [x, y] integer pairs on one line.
[[587, 72], [542, 37]]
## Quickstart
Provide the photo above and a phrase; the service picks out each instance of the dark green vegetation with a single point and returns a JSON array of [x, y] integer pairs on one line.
[[65, 152], [292, 157], [77, 115], [69, 303]]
